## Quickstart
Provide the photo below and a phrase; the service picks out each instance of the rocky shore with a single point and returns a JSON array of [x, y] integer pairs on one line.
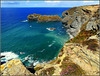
[[79, 55], [43, 18]]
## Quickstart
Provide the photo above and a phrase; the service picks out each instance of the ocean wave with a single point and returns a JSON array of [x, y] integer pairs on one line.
[[25, 21], [42, 50], [31, 61], [8, 56], [51, 44]]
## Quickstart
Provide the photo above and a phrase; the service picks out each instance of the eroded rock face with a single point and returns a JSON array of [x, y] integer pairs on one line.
[[43, 18], [79, 55], [14, 67], [77, 16]]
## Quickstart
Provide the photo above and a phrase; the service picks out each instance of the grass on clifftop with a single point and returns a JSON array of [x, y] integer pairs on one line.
[[92, 44], [46, 17], [48, 71]]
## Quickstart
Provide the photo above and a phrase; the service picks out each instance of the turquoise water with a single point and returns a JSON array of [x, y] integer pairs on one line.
[[30, 37]]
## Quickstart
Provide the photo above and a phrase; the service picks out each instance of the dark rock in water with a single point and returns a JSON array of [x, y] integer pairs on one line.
[[2, 56], [51, 29]]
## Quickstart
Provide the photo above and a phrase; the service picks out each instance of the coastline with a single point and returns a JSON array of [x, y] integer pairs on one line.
[[71, 52]]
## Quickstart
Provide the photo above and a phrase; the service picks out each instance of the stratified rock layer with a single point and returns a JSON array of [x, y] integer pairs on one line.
[[14, 67]]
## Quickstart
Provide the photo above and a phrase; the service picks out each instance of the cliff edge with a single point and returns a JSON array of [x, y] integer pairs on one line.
[[79, 55]]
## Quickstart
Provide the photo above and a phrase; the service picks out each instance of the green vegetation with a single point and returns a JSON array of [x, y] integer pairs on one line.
[[66, 58], [83, 35], [47, 17], [58, 61], [48, 71], [36, 14], [92, 44]]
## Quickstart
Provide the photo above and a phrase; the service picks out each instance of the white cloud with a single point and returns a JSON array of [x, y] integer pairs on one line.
[[52, 1], [88, 1]]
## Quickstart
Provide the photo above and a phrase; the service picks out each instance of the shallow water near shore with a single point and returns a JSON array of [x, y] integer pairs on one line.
[[31, 40]]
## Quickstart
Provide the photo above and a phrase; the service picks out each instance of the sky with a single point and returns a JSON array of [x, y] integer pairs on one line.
[[46, 3]]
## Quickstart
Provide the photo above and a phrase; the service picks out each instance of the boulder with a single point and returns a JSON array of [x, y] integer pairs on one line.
[[14, 67]]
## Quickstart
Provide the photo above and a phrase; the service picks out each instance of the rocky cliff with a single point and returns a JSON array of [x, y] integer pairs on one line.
[[14, 67], [79, 55], [43, 18], [76, 16]]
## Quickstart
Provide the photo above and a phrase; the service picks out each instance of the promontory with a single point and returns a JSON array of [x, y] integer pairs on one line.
[[43, 18]]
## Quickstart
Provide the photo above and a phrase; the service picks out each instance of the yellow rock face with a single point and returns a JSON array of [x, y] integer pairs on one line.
[[14, 67]]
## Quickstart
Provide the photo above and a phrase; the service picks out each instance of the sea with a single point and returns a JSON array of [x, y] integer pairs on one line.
[[30, 41]]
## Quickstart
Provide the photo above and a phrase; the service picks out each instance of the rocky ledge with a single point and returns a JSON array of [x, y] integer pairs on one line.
[[43, 18], [79, 55], [14, 67]]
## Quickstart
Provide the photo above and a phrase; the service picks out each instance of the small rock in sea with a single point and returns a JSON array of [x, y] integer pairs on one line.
[[51, 29], [2, 56], [22, 53]]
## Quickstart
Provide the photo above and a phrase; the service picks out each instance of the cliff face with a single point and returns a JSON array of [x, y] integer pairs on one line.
[[43, 18], [76, 16], [79, 55]]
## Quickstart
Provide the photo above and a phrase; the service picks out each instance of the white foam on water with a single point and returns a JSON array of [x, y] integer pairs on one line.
[[35, 63], [25, 21], [51, 44], [8, 56], [42, 50]]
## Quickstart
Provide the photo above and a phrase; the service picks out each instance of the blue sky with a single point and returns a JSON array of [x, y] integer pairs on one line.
[[47, 3]]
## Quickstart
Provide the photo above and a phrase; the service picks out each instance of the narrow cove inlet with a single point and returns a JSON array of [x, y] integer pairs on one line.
[[30, 41]]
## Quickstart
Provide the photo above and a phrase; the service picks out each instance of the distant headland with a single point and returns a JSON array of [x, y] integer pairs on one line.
[[43, 18]]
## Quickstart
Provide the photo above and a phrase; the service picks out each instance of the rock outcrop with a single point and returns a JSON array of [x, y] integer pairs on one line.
[[76, 16], [14, 67], [43, 18], [79, 55]]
